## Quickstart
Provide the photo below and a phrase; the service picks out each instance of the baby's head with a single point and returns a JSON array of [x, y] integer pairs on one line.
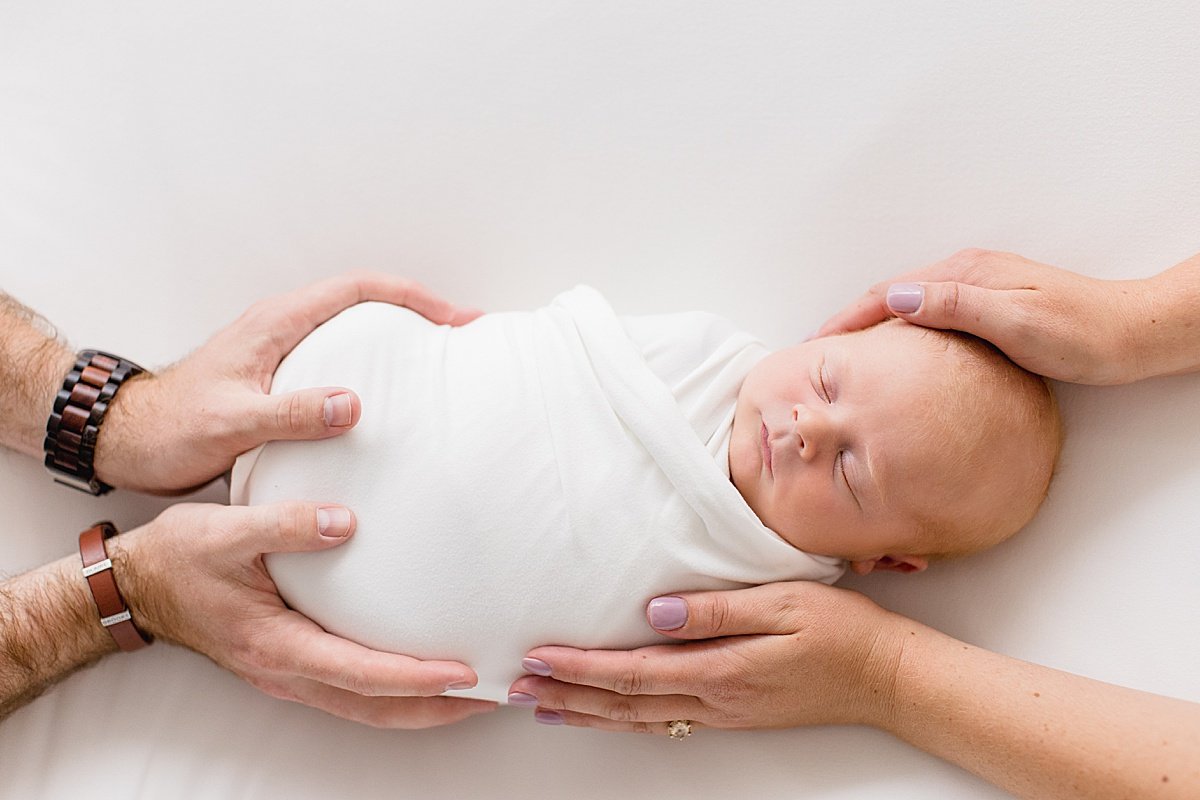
[[893, 446]]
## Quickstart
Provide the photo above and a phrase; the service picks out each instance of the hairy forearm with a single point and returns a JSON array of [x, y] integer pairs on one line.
[[1039, 732], [33, 362], [49, 627], [1168, 339]]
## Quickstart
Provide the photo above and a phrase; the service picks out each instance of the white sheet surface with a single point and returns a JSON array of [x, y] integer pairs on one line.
[[164, 164]]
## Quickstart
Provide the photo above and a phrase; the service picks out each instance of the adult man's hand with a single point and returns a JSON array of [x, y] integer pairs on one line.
[[195, 576], [170, 432]]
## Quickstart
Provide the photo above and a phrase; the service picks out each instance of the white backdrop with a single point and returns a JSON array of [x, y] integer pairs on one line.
[[164, 164]]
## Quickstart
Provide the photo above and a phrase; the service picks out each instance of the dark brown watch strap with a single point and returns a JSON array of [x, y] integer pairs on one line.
[[79, 408], [97, 569]]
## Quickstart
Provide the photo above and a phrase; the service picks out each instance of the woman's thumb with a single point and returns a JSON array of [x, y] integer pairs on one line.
[[949, 305]]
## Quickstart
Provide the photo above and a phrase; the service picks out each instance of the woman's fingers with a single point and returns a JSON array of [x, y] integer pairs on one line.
[[667, 669], [578, 720], [992, 314], [767, 609], [554, 695], [868, 309], [901, 295], [658, 669]]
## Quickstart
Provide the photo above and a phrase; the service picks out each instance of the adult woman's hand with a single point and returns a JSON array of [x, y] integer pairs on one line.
[[1050, 321], [787, 654], [804, 653], [195, 576], [173, 431]]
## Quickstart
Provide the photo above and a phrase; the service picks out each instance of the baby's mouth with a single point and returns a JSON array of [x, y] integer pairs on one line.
[[766, 449]]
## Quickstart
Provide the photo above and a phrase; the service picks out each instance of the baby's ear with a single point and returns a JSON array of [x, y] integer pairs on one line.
[[890, 563]]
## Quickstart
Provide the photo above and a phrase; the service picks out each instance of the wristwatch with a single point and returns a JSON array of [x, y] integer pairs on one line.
[[79, 409]]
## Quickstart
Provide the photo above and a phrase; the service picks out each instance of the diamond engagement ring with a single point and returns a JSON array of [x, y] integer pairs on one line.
[[679, 729]]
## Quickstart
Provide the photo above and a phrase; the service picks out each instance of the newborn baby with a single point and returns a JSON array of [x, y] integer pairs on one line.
[[534, 478]]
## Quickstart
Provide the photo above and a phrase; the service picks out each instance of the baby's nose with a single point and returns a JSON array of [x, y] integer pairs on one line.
[[813, 430]]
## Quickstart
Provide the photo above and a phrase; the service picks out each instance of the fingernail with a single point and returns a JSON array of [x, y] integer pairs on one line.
[[521, 699], [459, 685], [333, 522], [338, 412], [905, 298], [536, 666], [548, 717], [667, 613]]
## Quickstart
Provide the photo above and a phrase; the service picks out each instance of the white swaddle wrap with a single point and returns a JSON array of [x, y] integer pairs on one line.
[[526, 479]]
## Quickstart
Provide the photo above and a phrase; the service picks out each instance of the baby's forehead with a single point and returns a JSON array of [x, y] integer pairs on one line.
[[898, 333], [919, 359], [931, 409]]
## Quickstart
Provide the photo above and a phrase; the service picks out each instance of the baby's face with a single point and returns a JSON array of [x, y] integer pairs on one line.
[[839, 445]]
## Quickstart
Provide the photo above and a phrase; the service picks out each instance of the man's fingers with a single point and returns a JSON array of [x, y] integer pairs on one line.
[[287, 319], [382, 712], [297, 646], [291, 526], [464, 315], [317, 413]]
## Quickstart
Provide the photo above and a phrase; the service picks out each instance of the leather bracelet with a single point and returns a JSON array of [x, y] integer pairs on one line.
[[74, 423], [98, 571]]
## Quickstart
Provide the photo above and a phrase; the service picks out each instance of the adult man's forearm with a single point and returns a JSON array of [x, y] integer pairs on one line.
[[49, 628], [33, 362]]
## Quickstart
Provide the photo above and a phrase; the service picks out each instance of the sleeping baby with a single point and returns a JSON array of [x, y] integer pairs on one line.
[[535, 478]]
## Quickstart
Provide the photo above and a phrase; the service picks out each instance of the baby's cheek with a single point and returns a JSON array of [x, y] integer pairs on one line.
[[801, 514]]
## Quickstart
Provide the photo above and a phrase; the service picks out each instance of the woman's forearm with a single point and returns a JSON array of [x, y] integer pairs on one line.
[[1039, 732], [1168, 342], [49, 627]]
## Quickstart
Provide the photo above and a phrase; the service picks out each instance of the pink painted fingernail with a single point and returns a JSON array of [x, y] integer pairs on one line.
[[667, 613], [521, 699], [338, 411], [536, 666], [333, 522], [548, 717], [905, 298], [459, 685]]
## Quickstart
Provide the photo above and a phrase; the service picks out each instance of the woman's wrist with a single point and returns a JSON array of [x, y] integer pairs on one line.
[[1168, 341], [878, 684]]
